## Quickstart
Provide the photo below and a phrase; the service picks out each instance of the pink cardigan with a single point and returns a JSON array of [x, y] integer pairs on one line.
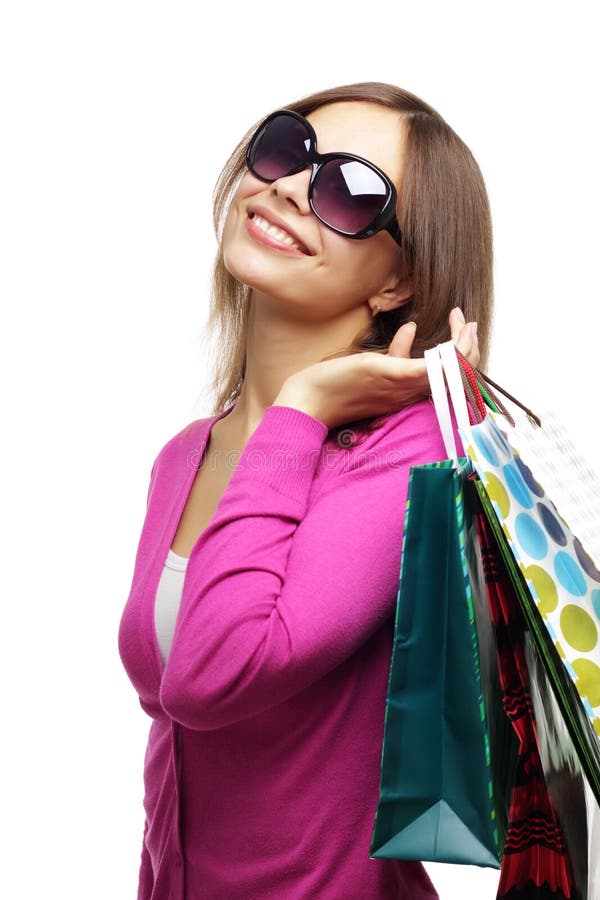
[[262, 767]]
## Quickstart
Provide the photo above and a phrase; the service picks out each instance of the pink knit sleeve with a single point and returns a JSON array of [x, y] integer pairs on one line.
[[146, 876], [280, 590]]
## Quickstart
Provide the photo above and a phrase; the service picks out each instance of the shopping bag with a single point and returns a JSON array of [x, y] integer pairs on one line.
[[539, 851], [442, 780], [544, 445], [551, 571], [546, 853], [569, 789], [561, 577]]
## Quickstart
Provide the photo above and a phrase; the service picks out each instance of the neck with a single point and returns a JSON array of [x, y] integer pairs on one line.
[[278, 345]]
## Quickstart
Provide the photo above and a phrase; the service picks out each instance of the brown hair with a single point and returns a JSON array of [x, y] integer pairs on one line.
[[443, 213]]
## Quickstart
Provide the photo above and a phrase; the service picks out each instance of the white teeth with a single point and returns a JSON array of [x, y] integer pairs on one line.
[[282, 236]]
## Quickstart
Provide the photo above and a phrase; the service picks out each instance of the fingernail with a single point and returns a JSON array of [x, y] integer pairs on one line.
[[473, 327], [461, 314]]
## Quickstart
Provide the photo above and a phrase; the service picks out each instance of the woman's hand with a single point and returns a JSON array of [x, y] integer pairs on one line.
[[370, 384]]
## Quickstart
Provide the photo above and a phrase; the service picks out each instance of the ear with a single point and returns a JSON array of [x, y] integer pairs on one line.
[[393, 296]]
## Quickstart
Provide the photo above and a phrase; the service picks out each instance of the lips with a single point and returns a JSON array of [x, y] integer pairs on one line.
[[275, 220]]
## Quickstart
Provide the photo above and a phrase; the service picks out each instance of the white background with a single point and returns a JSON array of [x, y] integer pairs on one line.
[[116, 118]]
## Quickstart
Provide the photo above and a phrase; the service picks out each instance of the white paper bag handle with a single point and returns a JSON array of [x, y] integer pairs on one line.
[[442, 361], [439, 396], [455, 385]]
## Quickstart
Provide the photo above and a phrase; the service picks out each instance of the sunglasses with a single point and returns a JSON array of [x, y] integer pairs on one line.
[[349, 194]]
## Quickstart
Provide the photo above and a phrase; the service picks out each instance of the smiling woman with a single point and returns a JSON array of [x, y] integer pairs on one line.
[[258, 629], [337, 272], [446, 255]]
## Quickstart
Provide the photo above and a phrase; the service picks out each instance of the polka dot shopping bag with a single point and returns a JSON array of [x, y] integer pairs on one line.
[[535, 487]]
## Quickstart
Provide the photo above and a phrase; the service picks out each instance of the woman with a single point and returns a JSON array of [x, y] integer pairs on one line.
[[258, 630]]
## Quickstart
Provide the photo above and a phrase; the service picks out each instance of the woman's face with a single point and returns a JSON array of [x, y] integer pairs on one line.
[[340, 274]]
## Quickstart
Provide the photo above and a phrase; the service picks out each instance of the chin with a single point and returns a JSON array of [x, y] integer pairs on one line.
[[251, 267], [245, 269]]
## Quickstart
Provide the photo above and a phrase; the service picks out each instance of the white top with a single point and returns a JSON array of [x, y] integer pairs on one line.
[[168, 598]]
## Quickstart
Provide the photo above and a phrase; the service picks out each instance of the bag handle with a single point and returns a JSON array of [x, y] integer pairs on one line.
[[482, 384], [455, 385], [445, 361], [473, 390], [440, 401], [441, 361], [528, 412]]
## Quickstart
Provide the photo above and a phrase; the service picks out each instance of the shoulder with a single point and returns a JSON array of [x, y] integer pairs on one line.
[[410, 436], [187, 436], [183, 446], [415, 422]]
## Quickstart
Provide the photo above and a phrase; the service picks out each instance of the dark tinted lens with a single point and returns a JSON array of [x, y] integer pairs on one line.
[[349, 195], [279, 147]]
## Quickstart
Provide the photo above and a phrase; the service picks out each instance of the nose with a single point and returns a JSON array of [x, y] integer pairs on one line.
[[294, 188]]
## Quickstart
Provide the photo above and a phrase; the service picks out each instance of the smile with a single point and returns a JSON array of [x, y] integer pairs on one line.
[[272, 235]]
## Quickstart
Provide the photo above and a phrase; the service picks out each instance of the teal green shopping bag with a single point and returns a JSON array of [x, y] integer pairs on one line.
[[448, 747]]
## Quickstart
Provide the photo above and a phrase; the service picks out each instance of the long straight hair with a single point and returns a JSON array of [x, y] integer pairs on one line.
[[444, 215]]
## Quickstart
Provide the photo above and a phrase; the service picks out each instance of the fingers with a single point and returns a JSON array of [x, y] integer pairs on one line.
[[457, 321], [403, 340], [464, 335], [466, 341]]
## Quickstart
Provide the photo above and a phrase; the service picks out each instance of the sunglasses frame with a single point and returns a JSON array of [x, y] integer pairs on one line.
[[385, 220]]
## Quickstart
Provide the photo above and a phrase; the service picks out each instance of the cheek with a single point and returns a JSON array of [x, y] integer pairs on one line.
[[248, 186], [242, 191], [358, 268], [230, 223]]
